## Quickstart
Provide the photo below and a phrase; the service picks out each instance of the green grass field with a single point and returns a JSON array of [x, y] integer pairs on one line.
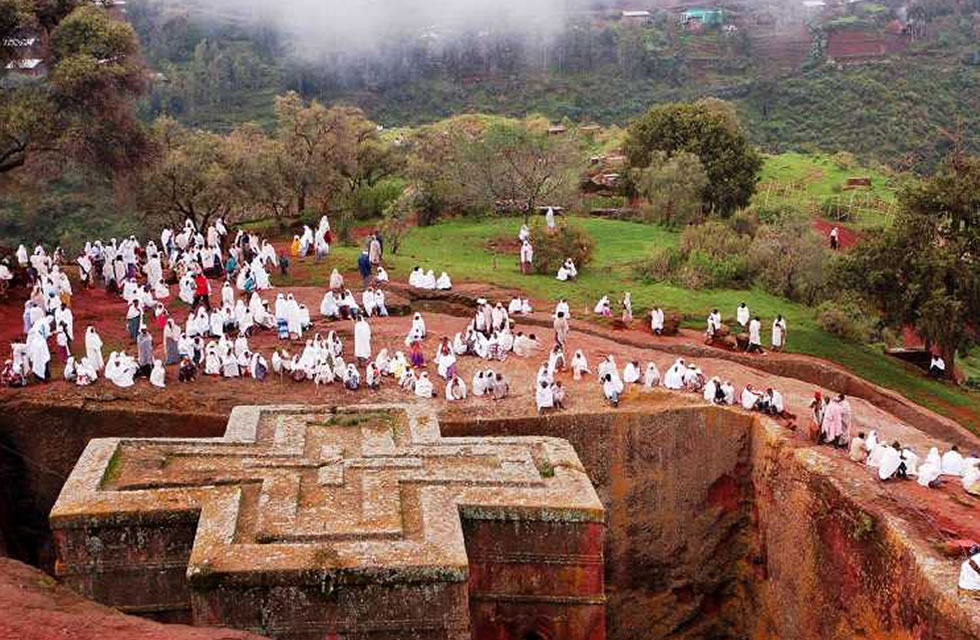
[[461, 247], [810, 180]]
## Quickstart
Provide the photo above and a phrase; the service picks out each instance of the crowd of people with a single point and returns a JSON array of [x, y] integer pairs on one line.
[[213, 340]]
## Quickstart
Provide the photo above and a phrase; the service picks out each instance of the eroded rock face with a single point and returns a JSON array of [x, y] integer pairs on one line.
[[35, 607], [306, 522], [717, 525]]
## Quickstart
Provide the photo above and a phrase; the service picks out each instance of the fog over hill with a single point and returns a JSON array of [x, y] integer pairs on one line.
[[317, 26]]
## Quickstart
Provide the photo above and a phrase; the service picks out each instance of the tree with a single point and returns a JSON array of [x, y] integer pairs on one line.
[[83, 110], [790, 258], [512, 167], [253, 159], [363, 157], [704, 129], [310, 137], [922, 271], [673, 185], [192, 177]]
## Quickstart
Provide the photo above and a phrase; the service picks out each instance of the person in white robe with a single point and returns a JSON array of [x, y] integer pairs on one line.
[[890, 462], [514, 307], [123, 372], [38, 353], [415, 277], [755, 335], [227, 294], [479, 385], [428, 280], [561, 307], [711, 388], [382, 275], [778, 333], [607, 366], [693, 378], [749, 398], [543, 396], [212, 361], [93, 349], [631, 372], [362, 340], [305, 322], [294, 321], [603, 307], [566, 271], [969, 579], [444, 283], [527, 257], [549, 219], [657, 321], [742, 315], [328, 306], [64, 316], [628, 308], [423, 386], [367, 300], [674, 378], [418, 326], [651, 377], [612, 389], [580, 365], [931, 469], [229, 366], [158, 375], [729, 390], [336, 280], [952, 462], [456, 389], [85, 373], [524, 233]]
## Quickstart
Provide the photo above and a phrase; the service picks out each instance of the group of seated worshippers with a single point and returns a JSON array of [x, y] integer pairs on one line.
[[897, 461], [421, 279], [342, 304], [520, 306]]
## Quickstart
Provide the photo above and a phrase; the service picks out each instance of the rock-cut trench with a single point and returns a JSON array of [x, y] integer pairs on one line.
[[716, 528]]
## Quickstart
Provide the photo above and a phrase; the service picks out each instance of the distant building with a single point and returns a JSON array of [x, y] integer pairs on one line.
[[638, 14], [27, 67], [695, 19]]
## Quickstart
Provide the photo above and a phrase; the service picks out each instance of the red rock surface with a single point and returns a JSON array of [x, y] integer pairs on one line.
[[34, 607]]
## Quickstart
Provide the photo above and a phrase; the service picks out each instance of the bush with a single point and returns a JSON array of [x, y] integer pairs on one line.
[[710, 255], [845, 318], [371, 201], [745, 222], [664, 264], [844, 160], [790, 260], [552, 249]]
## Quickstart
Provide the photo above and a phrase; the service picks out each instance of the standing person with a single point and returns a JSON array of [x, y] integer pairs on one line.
[[201, 291], [374, 252], [364, 267], [134, 319], [778, 333], [817, 412], [742, 315], [835, 239], [362, 340], [627, 309], [144, 352], [755, 335], [93, 349], [833, 422], [561, 330], [549, 219], [657, 321], [527, 257]]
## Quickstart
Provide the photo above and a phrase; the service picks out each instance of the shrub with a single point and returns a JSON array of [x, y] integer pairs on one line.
[[845, 318], [552, 249], [790, 260], [662, 266], [844, 160], [710, 255], [745, 222]]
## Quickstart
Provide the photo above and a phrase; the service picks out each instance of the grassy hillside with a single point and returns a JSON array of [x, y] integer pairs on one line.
[[462, 248]]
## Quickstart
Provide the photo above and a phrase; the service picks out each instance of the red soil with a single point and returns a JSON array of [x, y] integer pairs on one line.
[[45, 611], [848, 237]]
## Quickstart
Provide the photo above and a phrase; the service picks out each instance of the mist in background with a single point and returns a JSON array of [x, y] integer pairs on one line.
[[316, 27]]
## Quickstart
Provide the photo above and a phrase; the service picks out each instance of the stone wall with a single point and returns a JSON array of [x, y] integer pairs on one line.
[[40, 446], [677, 492]]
